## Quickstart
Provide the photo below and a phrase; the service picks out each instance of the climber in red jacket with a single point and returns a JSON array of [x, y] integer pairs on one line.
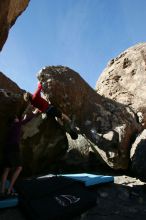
[[45, 107]]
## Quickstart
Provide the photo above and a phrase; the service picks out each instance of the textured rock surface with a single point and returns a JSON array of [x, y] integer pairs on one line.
[[9, 11], [8, 85], [124, 81], [107, 125], [43, 144], [138, 156]]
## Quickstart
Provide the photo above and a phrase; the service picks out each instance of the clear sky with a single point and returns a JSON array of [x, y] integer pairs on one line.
[[81, 34]]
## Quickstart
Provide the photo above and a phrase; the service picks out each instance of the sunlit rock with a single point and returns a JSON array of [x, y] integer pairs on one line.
[[9, 11], [124, 80]]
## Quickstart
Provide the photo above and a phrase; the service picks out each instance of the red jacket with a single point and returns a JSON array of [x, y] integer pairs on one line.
[[37, 101]]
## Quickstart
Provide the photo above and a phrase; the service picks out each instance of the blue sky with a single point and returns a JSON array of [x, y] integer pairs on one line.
[[81, 34]]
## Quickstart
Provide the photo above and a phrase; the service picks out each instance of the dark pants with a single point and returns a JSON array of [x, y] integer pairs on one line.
[[53, 112], [12, 158]]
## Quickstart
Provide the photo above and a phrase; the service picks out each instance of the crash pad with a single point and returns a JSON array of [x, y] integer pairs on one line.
[[54, 197], [7, 202], [90, 179]]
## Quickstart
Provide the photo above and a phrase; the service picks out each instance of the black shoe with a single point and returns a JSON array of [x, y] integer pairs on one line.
[[73, 134], [12, 194], [8, 195], [71, 129]]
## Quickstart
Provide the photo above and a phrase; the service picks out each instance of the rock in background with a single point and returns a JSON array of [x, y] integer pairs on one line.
[[9, 11], [124, 80]]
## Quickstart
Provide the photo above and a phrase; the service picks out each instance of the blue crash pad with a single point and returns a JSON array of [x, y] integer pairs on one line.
[[8, 202], [90, 179], [11, 202]]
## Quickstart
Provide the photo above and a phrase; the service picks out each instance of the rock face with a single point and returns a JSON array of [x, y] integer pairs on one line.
[[43, 144], [124, 80], [8, 85], [9, 11], [108, 126], [138, 156]]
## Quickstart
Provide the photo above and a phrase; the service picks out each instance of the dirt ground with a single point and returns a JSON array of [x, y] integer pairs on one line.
[[121, 200], [124, 199]]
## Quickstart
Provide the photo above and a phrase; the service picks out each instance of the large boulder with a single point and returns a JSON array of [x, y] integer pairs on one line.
[[124, 80], [9, 11], [108, 126]]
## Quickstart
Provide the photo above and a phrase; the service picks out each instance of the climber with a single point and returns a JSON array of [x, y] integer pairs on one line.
[[44, 106]]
